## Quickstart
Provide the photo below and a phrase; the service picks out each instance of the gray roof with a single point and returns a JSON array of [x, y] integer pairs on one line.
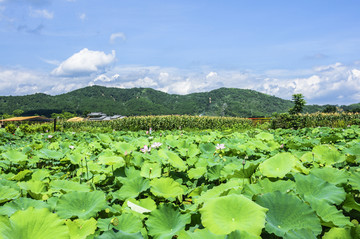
[[98, 118], [96, 114]]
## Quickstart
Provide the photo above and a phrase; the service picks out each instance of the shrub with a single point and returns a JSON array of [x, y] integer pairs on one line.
[[25, 128], [10, 128]]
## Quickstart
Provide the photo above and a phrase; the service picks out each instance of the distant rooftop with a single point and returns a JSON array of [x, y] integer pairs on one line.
[[101, 116]]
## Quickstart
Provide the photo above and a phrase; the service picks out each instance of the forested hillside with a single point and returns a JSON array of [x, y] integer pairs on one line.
[[146, 101]]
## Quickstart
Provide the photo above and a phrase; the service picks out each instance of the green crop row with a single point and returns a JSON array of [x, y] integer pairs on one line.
[[296, 121], [169, 122]]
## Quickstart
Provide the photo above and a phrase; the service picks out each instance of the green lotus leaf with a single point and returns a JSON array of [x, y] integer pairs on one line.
[[199, 234], [80, 229], [166, 222], [68, 186], [123, 147], [104, 138], [192, 151], [266, 186], [7, 193], [300, 168], [110, 159], [327, 154], [330, 214], [265, 136], [331, 175], [51, 154], [4, 225], [35, 223], [21, 175], [166, 188], [173, 159], [278, 166], [272, 146], [354, 180], [207, 148], [81, 204], [131, 188], [236, 170], [40, 174], [143, 205], [129, 223], [338, 233], [350, 203], [126, 222], [280, 219], [214, 172], [300, 234], [233, 212], [217, 191], [311, 187], [36, 189], [76, 158], [120, 234], [308, 157], [14, 156], [123, 174], [196, 173], [21, 204], [353, 150], [241, 234], [150, 170]]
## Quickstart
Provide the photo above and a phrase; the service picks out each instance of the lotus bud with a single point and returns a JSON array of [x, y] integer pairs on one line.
[[115, 221], [355, 222]]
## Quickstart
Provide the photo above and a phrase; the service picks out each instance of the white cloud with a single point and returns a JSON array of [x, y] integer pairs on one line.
[[82, 16], [333, 84], [163, 77], [84, 62], [211, 75], [51, 62], [41, 13], [105, 78], [117, 35], [145, 82], [181, 87]]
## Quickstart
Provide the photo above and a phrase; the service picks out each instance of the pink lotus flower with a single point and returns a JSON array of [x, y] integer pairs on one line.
[[156, 145], [220, 146], [145, 149]]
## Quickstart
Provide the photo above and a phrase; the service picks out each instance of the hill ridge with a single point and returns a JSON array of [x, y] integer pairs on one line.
[[148, 101]]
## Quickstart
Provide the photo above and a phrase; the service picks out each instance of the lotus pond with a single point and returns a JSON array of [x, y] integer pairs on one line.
[[175, 184]]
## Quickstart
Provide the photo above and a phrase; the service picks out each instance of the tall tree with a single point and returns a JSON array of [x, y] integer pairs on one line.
[[18, 112], [299, 104]]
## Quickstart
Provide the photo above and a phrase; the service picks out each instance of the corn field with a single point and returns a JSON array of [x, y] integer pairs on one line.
[[169, 122]]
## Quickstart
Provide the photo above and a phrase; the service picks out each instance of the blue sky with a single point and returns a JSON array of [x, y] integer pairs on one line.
[[182, 46]]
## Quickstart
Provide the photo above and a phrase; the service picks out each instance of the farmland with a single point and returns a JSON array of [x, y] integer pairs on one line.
[[254, 183]]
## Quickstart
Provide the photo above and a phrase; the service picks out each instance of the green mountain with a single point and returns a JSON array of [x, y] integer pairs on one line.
[[146, 101]]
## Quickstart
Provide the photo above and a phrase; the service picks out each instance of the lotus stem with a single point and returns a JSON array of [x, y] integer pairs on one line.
[[87, 169], [81, 173]]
